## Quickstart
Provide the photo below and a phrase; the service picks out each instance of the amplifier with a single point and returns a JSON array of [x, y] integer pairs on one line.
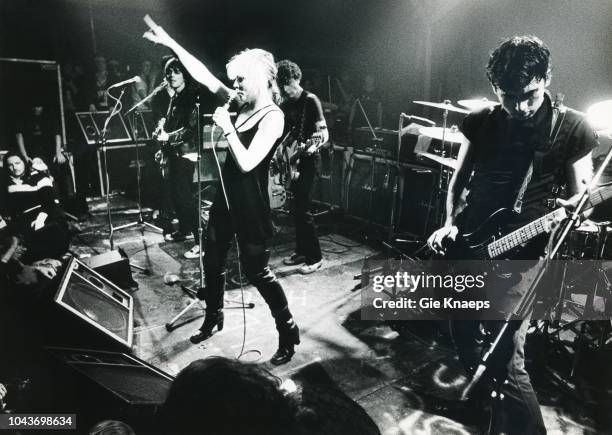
[[370, 188], [370, 194], [122, 169], [384, 145], [330, 187], [420, 197]]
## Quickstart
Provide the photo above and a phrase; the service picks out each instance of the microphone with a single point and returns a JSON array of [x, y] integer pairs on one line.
[[232, 96], [417, 118], [126, 82]]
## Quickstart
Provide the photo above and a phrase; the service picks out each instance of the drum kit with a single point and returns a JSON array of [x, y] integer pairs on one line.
[[447, 135]]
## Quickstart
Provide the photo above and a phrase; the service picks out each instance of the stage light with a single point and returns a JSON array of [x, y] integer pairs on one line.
[[599, 116]]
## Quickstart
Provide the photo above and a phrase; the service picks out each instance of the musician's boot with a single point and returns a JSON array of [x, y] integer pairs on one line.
[[288, 337], [259, 274], [213, 295], [213, 318]]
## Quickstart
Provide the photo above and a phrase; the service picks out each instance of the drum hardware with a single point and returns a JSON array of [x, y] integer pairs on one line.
[[477, 104], [446, 135], [446, 106], [591, 257]]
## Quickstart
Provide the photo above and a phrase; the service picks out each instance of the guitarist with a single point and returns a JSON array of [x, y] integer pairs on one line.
[[304, 118], [518, 154], [176, 134]]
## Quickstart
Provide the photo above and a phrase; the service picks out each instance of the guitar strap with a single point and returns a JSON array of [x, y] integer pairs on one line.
[[555, 127], [303, 118]]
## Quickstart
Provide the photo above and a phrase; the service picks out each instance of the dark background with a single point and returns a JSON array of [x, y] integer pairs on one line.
[[387, 38]]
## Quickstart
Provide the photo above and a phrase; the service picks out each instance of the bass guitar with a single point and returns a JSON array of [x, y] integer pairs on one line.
[[489, 242]]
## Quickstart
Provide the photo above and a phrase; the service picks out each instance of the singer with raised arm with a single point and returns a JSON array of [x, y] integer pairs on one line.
[[241, 205]]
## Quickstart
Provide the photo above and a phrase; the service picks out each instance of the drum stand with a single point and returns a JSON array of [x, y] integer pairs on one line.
[[602, 329]]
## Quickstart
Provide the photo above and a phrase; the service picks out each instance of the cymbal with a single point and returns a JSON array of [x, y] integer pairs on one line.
[[442, 106], [328, 107], [450, 135], [444, 161], [477, 103]]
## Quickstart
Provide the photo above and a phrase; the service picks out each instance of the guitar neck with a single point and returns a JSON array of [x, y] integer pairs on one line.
[[542, 225], [525, 233]]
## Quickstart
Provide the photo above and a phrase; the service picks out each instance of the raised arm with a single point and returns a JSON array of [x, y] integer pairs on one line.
[[197, 69]]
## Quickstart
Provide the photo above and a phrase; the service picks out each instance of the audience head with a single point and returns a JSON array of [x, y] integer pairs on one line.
[[218, 396], [14, 165], [111, 427]]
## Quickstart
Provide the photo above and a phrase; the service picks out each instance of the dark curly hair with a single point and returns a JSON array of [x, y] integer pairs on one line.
[[220, 396], [287, 71], [517, 61]]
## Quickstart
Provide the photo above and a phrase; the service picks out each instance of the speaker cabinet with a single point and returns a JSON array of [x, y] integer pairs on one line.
[[93, 299], [419, 200], [122, 169], [114, 266], [330, 187], [100, 385], [370, 189]]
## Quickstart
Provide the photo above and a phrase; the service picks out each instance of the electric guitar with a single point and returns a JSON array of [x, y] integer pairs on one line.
[[488, 240], [296, 150], [166, 147]]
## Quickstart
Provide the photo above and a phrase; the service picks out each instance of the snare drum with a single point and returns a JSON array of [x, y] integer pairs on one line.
[[584, 242]]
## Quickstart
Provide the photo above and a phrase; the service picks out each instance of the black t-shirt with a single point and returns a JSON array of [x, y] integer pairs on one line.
[[301, 115], [502, 151], [39, 135]]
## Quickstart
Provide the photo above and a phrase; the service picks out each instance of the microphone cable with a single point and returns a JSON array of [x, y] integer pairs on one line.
[[225, 197]]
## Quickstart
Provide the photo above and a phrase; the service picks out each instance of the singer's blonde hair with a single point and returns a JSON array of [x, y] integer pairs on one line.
[[259, 66]]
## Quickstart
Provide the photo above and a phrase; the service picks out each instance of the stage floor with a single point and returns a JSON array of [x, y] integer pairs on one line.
[[408, 381]]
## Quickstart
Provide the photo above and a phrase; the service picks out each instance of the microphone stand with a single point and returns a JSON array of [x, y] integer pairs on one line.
[[102, 145], [375, 140], [141, 222], [527, 300]]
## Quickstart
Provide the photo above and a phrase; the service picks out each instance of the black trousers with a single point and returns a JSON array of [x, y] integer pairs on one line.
[[306, 238], [181, 190], [254, 257], [518, 413]]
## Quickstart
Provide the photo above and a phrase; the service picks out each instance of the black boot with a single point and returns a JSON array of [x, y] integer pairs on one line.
[[212, 319], [288, 337]]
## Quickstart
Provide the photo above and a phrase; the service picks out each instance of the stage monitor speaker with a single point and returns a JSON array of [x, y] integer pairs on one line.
[[370, 189], [89, 296], [330, 187], [100, 385], [419, 199], [114, 266]]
